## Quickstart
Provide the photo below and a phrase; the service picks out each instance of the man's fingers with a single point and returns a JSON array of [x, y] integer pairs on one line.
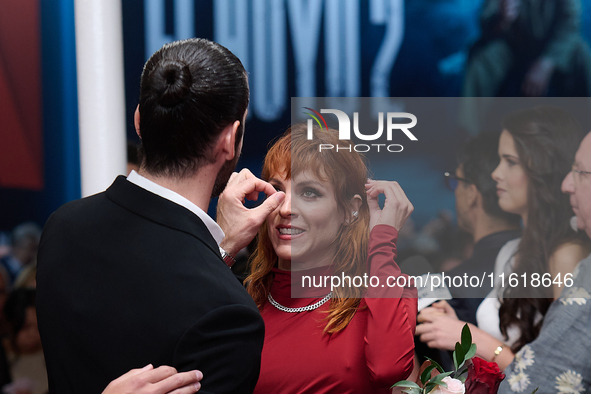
[[423, 317], [239, 177], [423, 328], [133, 372], [163, 379], [184, 382], [427, 335], [251, 187], [160, 373], [232, 177], [269, 205], [427, 338], [190, 389], [429, 314], [444, 306], [245, 175]]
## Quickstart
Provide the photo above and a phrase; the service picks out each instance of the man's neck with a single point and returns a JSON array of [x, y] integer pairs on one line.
[[487, 225], [196, 188]]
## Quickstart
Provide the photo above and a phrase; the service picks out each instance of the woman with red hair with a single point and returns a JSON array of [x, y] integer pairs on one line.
[[322, 336]]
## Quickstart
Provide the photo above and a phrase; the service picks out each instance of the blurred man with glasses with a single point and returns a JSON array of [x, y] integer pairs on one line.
[[479, 214]]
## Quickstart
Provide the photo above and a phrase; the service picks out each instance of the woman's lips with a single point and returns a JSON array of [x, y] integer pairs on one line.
[[289, 232]]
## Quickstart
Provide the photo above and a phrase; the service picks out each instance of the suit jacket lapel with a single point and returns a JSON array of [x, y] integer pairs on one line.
[[158, 209]]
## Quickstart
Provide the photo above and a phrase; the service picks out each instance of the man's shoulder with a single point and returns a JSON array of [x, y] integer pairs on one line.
[[75, 210], [81, 203], [119, 197], [557, 356], [499, 239], [577, 286], [582, 272], [486, 251]]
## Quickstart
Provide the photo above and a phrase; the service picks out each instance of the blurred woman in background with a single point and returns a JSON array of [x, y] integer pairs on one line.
[[536, 150]]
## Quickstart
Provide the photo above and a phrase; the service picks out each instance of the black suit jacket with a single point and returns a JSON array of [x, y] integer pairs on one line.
[[126, 278]]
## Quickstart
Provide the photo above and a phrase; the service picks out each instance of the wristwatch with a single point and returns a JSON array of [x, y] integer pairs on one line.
[[227, 257]]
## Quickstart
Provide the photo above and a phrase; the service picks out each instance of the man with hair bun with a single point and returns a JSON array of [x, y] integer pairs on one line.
[[138, 275]]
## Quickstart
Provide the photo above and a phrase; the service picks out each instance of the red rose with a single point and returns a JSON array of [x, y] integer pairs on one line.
[[483, 377]]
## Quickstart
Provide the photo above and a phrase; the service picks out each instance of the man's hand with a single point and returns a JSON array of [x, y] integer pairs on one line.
[[239, 223], [444, 307], [397, 207], [439, 328], [162, 380]]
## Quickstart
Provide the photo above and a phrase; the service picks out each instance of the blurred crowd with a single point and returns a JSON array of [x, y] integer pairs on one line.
[[22, 366]]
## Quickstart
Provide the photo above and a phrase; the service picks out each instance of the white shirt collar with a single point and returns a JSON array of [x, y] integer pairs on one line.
[[155, 188]]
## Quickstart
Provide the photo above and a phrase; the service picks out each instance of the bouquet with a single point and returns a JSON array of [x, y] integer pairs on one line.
[[471, 375]]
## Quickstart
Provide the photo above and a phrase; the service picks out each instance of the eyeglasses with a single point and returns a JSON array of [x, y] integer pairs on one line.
[[451, 181], [580, 173]]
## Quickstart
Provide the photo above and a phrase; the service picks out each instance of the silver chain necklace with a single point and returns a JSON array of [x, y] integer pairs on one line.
[[311, 307]]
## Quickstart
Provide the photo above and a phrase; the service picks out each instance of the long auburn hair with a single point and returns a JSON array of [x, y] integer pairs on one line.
[[546, 139], [291, 155]]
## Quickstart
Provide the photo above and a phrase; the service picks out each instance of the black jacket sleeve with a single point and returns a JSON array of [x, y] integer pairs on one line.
[[226, 346]]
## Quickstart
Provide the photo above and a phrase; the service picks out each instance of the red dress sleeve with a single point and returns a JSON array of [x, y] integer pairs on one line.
[[392, 311]]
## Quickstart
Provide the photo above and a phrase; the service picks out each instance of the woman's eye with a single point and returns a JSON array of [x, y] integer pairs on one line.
[[277, 188], [510, 161], [309, 193]]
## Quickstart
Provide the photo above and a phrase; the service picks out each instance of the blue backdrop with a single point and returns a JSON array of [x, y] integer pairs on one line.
[[413, 48]]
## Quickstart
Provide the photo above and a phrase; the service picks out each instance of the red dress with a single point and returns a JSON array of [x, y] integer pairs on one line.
[[372, 353]]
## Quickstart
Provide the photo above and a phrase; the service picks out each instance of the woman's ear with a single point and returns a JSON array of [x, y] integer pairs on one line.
[[354, 206], [356, 202]]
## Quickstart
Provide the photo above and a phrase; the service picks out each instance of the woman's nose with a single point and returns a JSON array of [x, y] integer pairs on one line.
[[285, 207], [496, 173]]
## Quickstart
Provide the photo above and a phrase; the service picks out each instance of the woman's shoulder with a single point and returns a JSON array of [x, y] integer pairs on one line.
[[504, 259], [510, 247]]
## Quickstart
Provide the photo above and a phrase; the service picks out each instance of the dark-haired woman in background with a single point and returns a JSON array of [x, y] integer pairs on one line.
[[536, 150]]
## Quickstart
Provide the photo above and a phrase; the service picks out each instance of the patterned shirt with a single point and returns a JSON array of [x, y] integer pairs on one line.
[[559, 360]]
